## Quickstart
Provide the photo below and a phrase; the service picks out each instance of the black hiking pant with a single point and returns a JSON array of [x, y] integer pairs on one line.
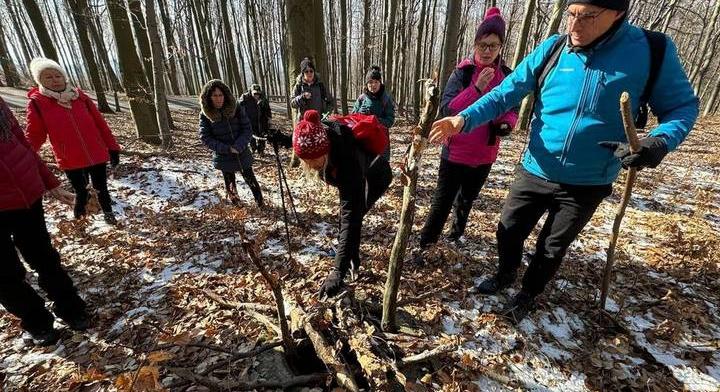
[[457, 187], [569, 209], [25, 230], [249, 177], [79, 179]]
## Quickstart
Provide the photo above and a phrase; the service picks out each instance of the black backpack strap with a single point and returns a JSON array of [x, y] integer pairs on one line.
[[657, 43], [549, 62]]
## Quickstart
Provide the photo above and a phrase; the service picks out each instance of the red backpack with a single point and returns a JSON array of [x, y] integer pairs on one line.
[[366, 129]]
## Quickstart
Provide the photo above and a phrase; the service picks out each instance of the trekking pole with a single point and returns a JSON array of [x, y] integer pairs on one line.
[[289, 194], [634, 142], [282, 192]]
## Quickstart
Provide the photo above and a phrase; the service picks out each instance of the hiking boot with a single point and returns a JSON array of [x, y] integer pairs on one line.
[[493, 284], [419, 256], [80, 322], [519, 307], [109, 218], [44, 337]]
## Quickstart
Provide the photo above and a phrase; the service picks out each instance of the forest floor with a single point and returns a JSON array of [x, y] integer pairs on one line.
[[147, 280]]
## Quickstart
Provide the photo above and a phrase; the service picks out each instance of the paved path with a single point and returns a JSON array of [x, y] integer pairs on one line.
[[17, 99]]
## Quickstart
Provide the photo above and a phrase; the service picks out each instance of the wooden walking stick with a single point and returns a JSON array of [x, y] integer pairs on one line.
[[407, 213], [632, 137]]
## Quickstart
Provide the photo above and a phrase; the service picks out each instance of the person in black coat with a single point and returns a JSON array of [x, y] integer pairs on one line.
[[226, 130], [331, 152], [257, 107]]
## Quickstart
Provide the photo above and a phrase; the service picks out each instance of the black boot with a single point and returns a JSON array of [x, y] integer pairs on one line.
[[44, 337], [519, 307], [333, 283], [494, 284], [81, 201], [79, 322], [109, 217]]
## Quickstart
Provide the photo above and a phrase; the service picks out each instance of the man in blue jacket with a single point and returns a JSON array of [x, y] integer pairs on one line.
[[577, 142]]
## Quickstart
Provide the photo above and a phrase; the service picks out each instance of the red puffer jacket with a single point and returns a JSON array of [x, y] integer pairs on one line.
[[23, 175], [80, 137]]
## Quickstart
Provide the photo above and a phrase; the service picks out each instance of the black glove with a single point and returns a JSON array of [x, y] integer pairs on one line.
[[333, 283], [497, 130], [114, 158], [501, 129], [652, 151], [282, 140]]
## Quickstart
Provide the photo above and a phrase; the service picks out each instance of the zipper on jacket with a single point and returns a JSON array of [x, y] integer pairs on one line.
[[17, 187], [82, 141], [578, 115]]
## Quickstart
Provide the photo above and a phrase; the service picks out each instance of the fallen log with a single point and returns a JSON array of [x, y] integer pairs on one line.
[[214, 385], [232, 305], [427, 355]]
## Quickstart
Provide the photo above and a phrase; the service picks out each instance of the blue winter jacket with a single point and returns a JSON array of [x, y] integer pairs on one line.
[[578, 105]]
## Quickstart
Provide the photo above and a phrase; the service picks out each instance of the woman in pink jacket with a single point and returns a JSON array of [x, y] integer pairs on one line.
[[467, 158]]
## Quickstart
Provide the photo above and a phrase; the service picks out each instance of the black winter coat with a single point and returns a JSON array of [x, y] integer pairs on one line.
[[232, 129], [258, 112], [361, 179]]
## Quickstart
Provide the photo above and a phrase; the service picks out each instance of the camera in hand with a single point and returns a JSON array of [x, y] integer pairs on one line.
[[277, 137]]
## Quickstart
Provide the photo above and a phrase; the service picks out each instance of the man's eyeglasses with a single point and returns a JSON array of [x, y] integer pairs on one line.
[[492, 47], [583, 17]]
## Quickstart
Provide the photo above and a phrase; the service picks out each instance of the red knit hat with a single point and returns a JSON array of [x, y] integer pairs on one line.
[[310, 141], [493, 23]]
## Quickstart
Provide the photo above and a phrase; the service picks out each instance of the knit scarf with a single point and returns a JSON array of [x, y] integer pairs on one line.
[[64, 98]]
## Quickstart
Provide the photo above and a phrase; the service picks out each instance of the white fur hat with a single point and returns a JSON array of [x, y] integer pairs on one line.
[[39, 64]]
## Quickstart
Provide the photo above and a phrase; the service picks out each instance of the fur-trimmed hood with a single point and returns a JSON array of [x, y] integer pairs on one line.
[[208, 109]]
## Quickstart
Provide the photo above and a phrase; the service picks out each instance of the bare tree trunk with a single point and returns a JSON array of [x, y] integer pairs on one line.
[[171, 47], [390, 42], [102, 52], [305, 39], [669, 16], [80, 12], [416, 87], [343, 56], [524, 33], [452, 23], [206, 41], [11, 76], [239, 85], [710, 105], [366, 34], [705, 45], [41, 30], [158, 67], [138, 23], [141, 102]]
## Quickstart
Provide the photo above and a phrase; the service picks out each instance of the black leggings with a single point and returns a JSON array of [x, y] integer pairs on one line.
[[249, 177], [457, 186], [79, 179]]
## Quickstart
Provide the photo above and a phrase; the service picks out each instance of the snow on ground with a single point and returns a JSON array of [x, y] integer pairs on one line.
[[173, 242]]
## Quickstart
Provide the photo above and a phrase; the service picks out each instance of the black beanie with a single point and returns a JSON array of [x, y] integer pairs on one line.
[[306, 63], [373, 74], [617, 5]]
